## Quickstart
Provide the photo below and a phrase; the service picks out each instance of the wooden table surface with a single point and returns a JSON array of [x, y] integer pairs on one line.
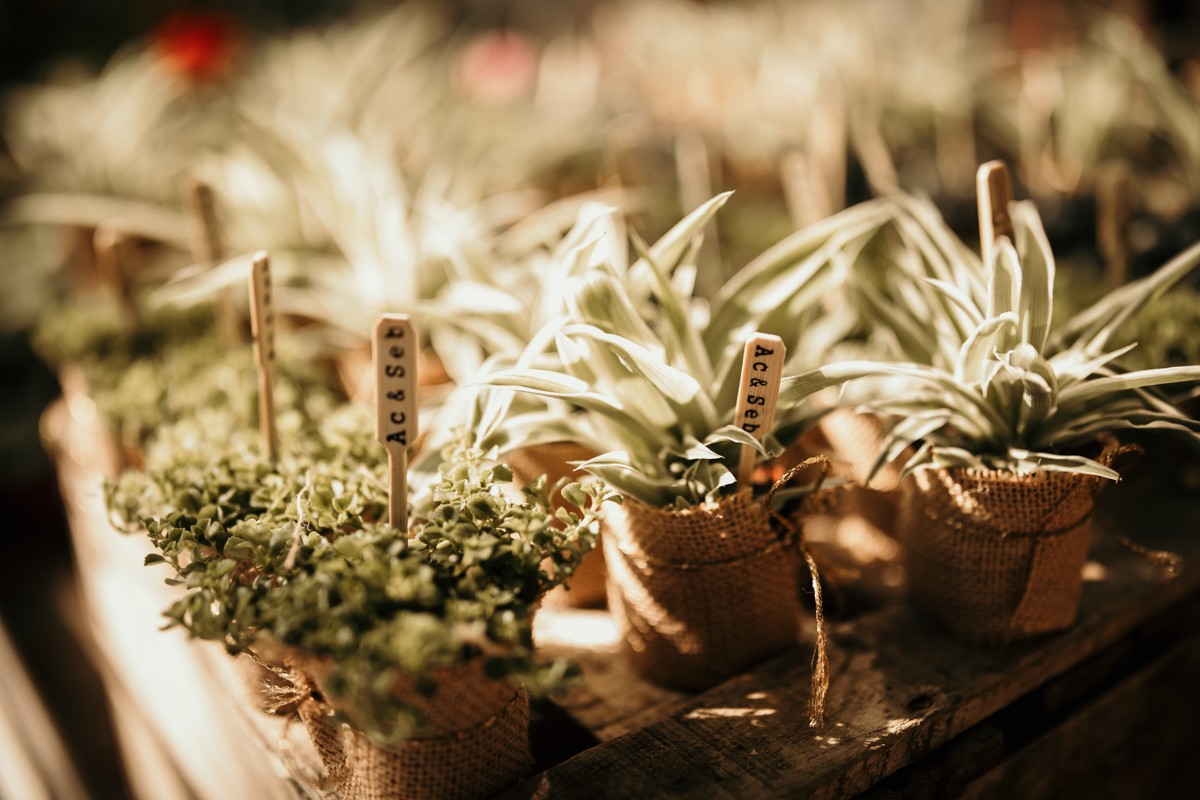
[[910, 711], [900, 690]]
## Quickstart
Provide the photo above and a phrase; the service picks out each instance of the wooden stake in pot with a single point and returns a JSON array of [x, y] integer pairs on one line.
[[262, 326], [114, 255], [207, 248], [993, 187], [394, 350], [758, 394]]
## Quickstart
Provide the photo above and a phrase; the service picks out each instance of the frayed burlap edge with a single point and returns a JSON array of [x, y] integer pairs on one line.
[[468, 760], [994, 556]]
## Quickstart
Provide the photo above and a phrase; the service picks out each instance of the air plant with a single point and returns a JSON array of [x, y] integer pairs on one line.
[[982, 376], [649, 380]]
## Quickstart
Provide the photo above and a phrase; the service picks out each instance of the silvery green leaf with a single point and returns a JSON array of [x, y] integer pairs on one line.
[[1072, 366], [958, 298], [682, 337], [975, 353], [673, 383], [1091, 329], [201, 281], [615, 469], [792, 261], [916, 340], [941, 457], [975, 414], [725, 477], [1028, 461], [474, 297], [1037, 274], [735, 435], [574, 357], [698, 451], [1089, 426], [563, 387], [667, 252], [1117, 384], [598, 299], [906, 433]]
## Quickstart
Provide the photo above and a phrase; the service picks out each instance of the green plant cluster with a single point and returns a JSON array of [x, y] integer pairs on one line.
[[171, 364], [297, 555]]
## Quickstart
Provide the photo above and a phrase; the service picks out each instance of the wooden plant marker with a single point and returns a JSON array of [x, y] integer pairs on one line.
[[394, 350], [993, 188], [207, 248], [262, 326], [1114, 208], [758, 394], [114, 256]]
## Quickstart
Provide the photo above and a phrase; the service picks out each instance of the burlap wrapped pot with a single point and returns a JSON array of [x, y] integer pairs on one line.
[[703, 592], [473, 743], [856, 439], [995, 556], [586, 588]]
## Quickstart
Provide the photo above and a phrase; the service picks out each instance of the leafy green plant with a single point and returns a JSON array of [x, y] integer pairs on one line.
[[982, 376], [649, 381], [1107, 96], [172, 365], [296, 555]]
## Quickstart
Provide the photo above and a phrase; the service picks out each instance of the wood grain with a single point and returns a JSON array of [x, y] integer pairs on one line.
[[900, 690]]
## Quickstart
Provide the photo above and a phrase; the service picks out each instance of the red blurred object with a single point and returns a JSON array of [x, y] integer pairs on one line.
[[498, 67], [199, 44]]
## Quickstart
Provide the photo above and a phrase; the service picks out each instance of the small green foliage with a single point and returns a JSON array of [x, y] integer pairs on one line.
[[296, 554], [174, 364]]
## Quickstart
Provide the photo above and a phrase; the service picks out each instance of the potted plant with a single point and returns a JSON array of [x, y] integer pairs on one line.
[[499, 310], [408, 658], [1007, 416], [702, 567]]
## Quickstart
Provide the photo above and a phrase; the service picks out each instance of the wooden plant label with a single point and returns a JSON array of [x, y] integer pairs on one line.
[[114, 254], [394, 349], [207, 248], [262, 326], [993, 189], [758, 394]]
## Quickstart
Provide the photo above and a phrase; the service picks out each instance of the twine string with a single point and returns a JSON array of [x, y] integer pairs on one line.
[[795, 534]]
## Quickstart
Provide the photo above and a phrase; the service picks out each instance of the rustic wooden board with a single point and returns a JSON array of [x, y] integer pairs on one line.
[[1133, 741], [900, 687]]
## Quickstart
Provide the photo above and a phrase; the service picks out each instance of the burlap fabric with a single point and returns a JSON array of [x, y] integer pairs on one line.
[[475, 740], [703, 592], [994, 556], [586, 588]]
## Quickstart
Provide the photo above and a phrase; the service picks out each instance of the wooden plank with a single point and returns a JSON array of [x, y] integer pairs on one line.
[[900, 689], [1133, 741]]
